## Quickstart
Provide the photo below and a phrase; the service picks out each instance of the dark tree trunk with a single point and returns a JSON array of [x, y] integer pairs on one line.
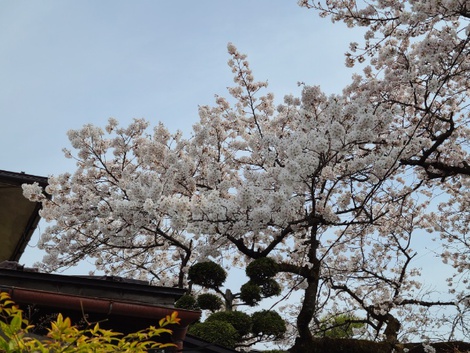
[[309, 304], [228, 298], [307, 311]]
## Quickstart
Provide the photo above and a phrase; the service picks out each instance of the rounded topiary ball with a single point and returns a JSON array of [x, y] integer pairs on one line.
[[209, 301], [270, 288], [186, 302], [268, 323], [240, 321], [218, 332], [262, 269], [207, 274], [250, 293]]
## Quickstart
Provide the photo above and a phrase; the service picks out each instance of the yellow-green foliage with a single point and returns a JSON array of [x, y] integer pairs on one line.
[[63, 337]]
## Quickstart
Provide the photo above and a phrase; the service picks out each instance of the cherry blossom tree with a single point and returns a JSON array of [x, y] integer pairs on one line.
[[125, 205], [417, 61], [321, 188], [333, 188]]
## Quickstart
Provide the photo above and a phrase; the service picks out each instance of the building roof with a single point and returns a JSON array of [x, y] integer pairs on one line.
[[121, 305], [18, 216], [106, 287]]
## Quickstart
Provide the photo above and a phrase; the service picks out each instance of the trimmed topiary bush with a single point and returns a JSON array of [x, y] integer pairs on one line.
[[187, 302], [240, 321], [262, 269], [250, 293], [209, 301], [270, 288], [268, 323], [207, 274], [218, 332]]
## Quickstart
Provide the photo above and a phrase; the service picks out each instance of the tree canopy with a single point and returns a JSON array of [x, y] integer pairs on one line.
[[334, 189]]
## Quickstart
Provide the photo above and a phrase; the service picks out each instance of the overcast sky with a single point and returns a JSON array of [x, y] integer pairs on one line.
[[64, 64]]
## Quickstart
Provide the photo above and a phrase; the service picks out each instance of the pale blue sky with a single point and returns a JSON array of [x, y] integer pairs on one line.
[[66, 63]]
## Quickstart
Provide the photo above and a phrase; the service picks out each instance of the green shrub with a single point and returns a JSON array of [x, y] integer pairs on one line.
[[209, 301], [250, 293], [240, 321], [268, 323], [262, 269], [270, 288], [340, 326], [207, 274], [187, 302], [218, 332]]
